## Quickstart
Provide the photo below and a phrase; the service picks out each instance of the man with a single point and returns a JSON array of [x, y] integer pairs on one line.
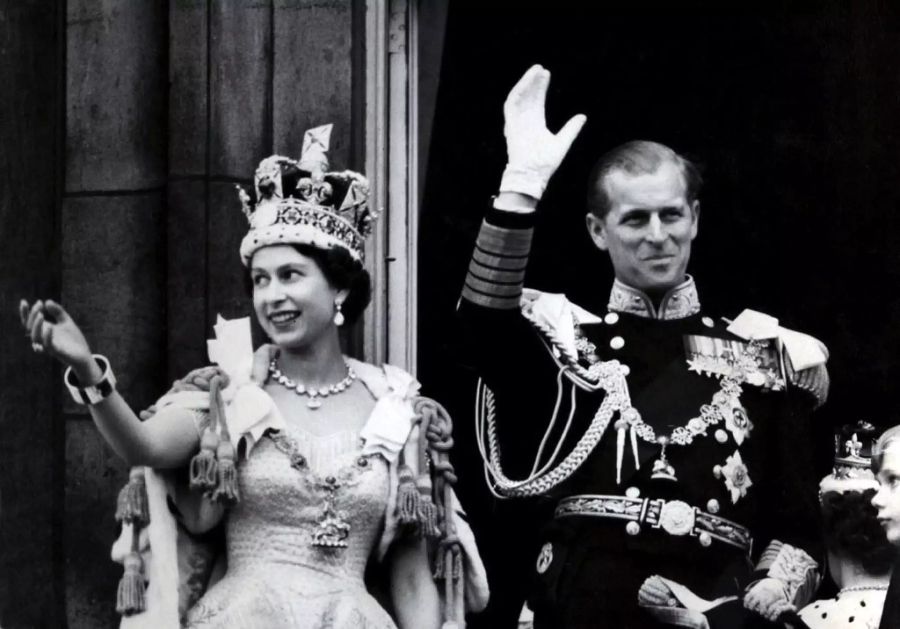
[[886, 465], [648, 453]]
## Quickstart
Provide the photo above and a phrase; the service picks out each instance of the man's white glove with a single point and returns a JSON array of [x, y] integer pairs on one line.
[[767, 597], [533, 153]]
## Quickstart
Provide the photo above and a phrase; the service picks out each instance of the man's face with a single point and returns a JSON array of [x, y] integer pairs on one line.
[[648, 229], [887, 500]]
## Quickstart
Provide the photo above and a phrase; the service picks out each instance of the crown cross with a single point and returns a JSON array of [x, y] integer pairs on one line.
[[853, 446]]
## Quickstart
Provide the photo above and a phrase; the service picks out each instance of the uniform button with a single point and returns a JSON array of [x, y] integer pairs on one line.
[[632, 492], [721, 436], [617, 342], [713, 506], [611, 318], [708, 322], [632, 528]]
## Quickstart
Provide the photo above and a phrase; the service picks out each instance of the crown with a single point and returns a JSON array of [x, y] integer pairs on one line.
[[300, 202], [852, 459]]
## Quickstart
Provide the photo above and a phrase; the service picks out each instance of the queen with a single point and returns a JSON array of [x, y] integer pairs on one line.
[[314, 467]]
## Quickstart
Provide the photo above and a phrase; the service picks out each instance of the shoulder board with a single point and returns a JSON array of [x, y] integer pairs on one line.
[[803, 350], [555, 317]]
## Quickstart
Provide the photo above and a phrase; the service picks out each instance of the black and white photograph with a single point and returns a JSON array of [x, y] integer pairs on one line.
[[447, 314]]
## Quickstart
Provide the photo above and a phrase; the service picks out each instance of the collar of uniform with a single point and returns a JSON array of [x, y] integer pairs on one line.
[[680, 302]]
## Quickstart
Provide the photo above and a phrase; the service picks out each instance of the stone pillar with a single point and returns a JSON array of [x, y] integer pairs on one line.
[[113, 260]]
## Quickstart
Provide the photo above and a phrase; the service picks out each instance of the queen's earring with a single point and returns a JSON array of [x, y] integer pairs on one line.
[[338, 315]]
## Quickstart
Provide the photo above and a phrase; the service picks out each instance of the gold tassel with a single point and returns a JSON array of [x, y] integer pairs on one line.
[[203, 464], [130, 596], [439, 561], [132, 506], [428, 515], [408, 502], [448, 561], [226, 491]]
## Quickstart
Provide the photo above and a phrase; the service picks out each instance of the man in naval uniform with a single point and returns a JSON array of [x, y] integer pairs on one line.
[[655, 459]]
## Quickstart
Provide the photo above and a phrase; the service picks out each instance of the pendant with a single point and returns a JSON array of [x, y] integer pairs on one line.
[[332, 531], [661, 467], [314, 403]]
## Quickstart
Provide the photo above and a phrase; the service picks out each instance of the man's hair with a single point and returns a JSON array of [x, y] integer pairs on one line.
[[887, 437], [637, 157]]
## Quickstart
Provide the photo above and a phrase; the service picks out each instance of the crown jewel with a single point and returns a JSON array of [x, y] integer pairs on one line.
[[852, 459], [301, 202]]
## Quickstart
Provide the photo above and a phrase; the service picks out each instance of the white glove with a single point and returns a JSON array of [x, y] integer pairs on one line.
[[767, 597], [533, 153]]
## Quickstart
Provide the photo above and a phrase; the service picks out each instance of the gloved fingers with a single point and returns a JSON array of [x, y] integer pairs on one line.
[[531, 88], [570, 131], [774, 611], [653, 591]]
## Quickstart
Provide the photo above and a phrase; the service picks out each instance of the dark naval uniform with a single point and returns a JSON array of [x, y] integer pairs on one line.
[[671, 447]]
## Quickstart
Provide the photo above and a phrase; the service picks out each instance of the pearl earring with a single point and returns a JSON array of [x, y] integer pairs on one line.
[[338, 315]]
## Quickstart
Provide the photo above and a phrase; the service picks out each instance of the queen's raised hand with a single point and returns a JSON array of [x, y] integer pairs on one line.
[[52, 331]]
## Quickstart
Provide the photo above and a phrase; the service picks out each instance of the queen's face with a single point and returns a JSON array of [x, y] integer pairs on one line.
[[293, 300]]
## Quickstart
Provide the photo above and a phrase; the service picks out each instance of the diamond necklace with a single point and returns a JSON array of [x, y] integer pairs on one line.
[[315, 395]]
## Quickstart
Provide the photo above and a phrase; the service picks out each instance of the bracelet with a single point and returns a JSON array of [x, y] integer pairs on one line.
[[95, 393]]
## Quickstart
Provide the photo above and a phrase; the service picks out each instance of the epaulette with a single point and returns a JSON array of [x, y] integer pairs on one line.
[[555, 320]]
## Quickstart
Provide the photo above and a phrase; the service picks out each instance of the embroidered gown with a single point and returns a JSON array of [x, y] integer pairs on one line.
[[312, 512], [277, 576]]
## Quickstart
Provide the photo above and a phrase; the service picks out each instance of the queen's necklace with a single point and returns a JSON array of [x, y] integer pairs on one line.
[[725, 404], [315, 395]]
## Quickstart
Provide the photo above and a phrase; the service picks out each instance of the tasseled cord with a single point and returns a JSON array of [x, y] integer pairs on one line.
[[213, 469], [408, 499], [130, 598], [428, 511], [436, 483], [416, 509], [226, 491], [131, 505], [132, 508], [203, 468]]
